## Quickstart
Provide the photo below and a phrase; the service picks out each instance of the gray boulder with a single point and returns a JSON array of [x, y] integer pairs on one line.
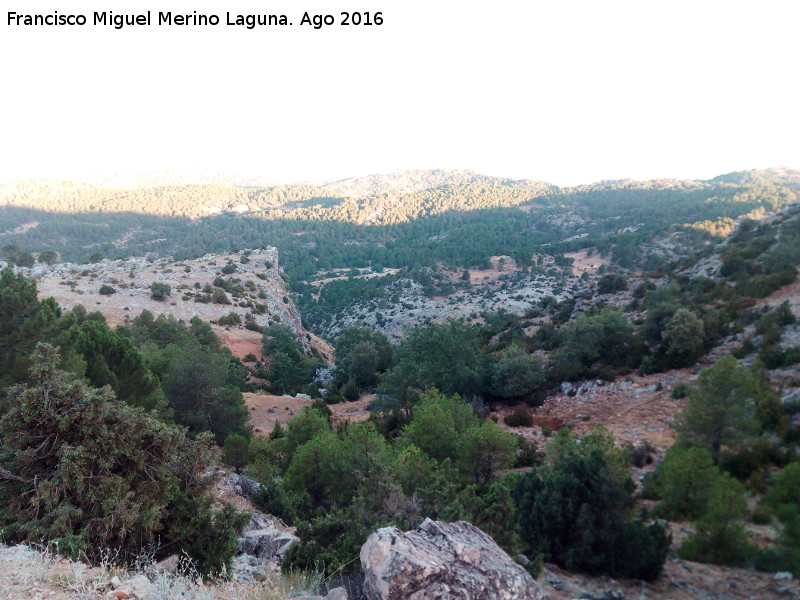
[[265, 536], [438, 561], [791, 398]]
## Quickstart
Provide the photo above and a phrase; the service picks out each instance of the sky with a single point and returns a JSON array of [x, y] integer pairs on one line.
[[568, 92]]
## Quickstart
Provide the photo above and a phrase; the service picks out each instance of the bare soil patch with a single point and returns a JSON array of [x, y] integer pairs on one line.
[[583, 263], [500, 265], [325, 349], [241, 341], [266, 410], [633, 412]]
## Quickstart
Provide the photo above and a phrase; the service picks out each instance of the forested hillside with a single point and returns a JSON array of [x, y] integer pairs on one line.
[[499, 346]]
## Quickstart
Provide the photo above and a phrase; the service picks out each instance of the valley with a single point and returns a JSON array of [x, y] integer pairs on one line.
[[433, 345]]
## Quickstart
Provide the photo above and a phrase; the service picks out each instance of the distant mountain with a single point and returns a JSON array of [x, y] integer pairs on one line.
[[410, 182], [406, 219], [772, 176]]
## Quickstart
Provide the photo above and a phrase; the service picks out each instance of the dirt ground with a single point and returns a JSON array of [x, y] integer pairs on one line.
[[324, 348], [485, 276], [583, 263], [241, 341], [680, 580], [266, 410], [633, 415]]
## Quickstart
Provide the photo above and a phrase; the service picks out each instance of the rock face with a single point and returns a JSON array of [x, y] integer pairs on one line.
[[455, 561], [264, 537]]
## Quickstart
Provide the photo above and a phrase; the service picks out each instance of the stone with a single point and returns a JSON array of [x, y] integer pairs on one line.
[[138, 587], [338, 593], [645, 390], [554, 581], [440, 560], [783, 576], [791, 398], [266, 543], [170, 564], [265, 537]]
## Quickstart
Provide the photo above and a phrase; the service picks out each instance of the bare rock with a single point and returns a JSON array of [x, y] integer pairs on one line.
[[791, 398], [170, 564], [265, 537], [338, 593], [138, 587], [439, 560]]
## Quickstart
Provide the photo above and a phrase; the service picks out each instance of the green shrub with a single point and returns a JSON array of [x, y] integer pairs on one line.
[[107, 290], [519, 417], [272, 499], [719, 536], [159, 291], [684, 482], [590, 531], [350, 391], [231, 319], [110, 476], [611, 283]]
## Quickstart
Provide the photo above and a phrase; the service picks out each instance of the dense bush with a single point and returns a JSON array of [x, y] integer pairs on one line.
[[85, 472], [159, 291], [519, 417], [578, 515], [611, 283]]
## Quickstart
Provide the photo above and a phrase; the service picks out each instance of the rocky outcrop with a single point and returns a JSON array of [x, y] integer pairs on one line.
[[266, 537], [255, 288], [438, 560]]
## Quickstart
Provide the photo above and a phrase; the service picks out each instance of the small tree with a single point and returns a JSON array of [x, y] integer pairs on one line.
[[683, 337], [719, 535], [107, 290], [160, 291], [517, 374], [686, 478], [722, 407], [235, 451], [48, 257]]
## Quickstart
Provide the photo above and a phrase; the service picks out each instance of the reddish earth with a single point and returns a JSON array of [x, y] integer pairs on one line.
[[241, 341], [680, 580], [632, 417], [583, 263], [266, 410], [324, 348]]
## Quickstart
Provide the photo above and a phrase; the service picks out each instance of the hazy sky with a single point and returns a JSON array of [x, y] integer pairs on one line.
[[564, 91]]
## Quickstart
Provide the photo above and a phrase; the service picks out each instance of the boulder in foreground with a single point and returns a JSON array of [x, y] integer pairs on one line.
[[442, 560]]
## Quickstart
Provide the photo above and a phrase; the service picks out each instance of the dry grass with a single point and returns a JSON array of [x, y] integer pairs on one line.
[[28, 573]]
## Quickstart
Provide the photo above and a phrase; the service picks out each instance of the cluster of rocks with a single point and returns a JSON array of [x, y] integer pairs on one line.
[[261, 547], [516, 295], [138, 587]]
